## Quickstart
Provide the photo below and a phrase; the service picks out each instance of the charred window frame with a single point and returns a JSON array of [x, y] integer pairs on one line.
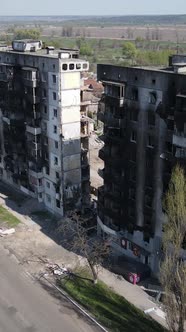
[[152, 97], [151, 118], [133, 136]]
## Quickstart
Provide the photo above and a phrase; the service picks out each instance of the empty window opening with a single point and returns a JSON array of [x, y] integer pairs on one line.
[[47, 170], [133, 155], [133, 137], [45, 140], [134, 94], [71, 66], [132, 193], [48, 198], [55, 112], [44, 126], [134, 115], [64, 66], [84, 65], [55, 129], [151, 118], [54, 80], [58, 205], [44, 93], [54, 96], [150, 142], [40, 182], [152, 98], [78, 66], [55, 160]]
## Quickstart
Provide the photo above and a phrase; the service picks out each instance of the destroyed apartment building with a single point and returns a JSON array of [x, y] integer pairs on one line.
[[144, 116], [43, 152]]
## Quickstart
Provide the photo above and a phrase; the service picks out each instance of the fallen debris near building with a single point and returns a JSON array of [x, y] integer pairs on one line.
[[5, 231], [57, 270]]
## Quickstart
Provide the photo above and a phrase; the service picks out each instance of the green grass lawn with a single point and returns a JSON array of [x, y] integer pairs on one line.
[[110, 309], [7, 218]]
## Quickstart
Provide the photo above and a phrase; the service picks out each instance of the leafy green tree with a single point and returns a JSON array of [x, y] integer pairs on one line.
[[173, 268], [27, 34], [129, 50], [85, 49]]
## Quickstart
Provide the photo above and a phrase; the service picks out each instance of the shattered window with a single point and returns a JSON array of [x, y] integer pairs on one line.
[[152, 98], [65, 66]]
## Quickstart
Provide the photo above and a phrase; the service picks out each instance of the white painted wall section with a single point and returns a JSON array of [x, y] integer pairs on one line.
[[70, 80], [70, 98], [71, 114], [71, 131]]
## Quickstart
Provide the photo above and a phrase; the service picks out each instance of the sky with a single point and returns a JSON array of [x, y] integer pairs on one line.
[[94, 7]]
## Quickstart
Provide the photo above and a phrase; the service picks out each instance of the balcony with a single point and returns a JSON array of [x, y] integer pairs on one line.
[[101, 195], [84, 162], [113, 134], [101, 111], [114, 101], [6, 119], [3, 77], [32, 98], [33, 130], [101, 172], [85, 102], [29, 76], [30, 82], [36, 173], [39, 189], [114, 160], [58, 196], [113, 195], [35, 146], [112, 213], [180, 153], [85, 174], [102, 154], [179, 139], [180, 103]]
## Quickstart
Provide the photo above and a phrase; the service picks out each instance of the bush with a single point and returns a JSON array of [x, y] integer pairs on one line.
[[27, 34]]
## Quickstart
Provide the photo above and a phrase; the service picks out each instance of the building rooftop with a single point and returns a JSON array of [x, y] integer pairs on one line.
[[43, 53], [181, 70], [35, 48]]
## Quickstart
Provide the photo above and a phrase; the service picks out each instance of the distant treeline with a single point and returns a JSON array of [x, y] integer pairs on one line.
[[135, 20], [98, 20]]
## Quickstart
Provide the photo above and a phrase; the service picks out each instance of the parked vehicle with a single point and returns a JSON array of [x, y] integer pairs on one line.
[[130, 269]]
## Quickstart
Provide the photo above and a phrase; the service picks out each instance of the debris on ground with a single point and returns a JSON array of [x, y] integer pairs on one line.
[[57, 270], [6, 231]]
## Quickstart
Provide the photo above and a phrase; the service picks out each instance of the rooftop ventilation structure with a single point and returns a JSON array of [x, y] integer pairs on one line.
[[27, 45]]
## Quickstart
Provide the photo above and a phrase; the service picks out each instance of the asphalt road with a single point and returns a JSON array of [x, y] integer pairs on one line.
[[25, 306]]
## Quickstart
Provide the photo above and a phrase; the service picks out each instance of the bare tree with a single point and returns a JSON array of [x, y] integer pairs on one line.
[[77, 237], [173, 268], [147, 34]]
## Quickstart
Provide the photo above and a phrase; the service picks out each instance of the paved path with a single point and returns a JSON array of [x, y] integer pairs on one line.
[[26, 307], [30, 238]]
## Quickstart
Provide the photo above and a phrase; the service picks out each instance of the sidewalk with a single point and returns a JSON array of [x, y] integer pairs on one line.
[[30, 242]]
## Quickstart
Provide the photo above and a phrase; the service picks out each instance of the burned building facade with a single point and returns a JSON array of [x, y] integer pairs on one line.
[[41, 151], [144, 116]]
